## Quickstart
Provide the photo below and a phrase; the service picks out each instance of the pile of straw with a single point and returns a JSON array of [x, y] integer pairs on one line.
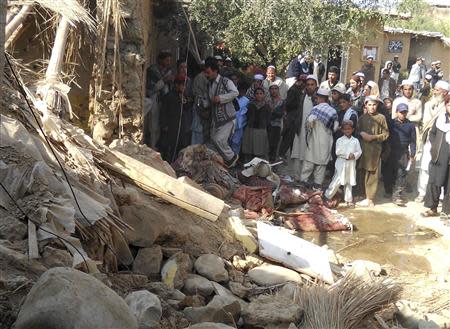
[[347, 303]]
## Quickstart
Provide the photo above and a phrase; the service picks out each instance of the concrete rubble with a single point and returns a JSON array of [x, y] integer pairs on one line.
[[105, 244]]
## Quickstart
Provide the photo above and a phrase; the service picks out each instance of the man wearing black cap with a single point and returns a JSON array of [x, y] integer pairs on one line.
[[369, 69], [403, 144]]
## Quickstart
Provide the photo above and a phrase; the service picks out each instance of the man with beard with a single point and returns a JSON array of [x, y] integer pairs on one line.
[[306, 105], [432, 109], [222, 92]]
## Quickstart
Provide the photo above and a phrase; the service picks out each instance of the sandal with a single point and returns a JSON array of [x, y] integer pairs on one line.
[[430, 213]]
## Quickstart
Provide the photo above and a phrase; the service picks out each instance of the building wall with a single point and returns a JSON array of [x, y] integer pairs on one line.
[[441, 52], [403, 55], [355, 60]]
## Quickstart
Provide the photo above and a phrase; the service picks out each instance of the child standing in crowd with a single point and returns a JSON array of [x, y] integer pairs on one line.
[[373, 129], [348, 151], [276, 104], [403, 150], [255, 142]]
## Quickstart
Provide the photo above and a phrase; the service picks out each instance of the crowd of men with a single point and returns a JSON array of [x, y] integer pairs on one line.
[[354, 133]]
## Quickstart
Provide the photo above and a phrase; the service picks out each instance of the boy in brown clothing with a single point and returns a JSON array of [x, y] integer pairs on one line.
[[373, 131]]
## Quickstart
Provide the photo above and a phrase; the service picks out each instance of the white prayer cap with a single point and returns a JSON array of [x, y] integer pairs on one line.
[[407, 83], [202, 62], [434, 63], [258, 77], [218, 57], [428, 77], [271, 67], [370, 57], [360, 74], [438, 62], [371, 83], [228, 59], [312, 77], [323, 92], [340, 88], [442, 84]]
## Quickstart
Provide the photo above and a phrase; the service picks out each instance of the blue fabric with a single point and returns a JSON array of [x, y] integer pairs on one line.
[[241, 123]]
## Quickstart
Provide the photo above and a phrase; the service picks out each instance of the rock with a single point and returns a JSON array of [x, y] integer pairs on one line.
[[65, 298], [292, 326], [148, 261], [193, 301], [267, 310], [11, 228], [169, 252], [146, 307], [406, 316], [238, 289], [146, 223], [248, 263], [52, 257], [176, 270], [424, 324], [220, 309], [364, 267], [210, 325], [441, 320], [236, 276], [197, 284], [211, 267], [290, 291], [224, 292], [269, 275]]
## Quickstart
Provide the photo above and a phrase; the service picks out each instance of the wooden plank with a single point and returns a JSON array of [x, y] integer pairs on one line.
[[243, 234], [164, 186], [300, 255], [33, 249]]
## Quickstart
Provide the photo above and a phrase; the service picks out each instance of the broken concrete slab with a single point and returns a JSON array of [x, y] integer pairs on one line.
[[277, 244], [243, 234]]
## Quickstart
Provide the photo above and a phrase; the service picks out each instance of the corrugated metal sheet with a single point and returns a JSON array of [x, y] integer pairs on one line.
[[428, 34]]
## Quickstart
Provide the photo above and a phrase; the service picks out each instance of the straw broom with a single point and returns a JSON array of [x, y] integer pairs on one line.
[[347, 303]]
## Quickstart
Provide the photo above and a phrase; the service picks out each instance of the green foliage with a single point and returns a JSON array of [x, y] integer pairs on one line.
[[274, 31], [421, 18]]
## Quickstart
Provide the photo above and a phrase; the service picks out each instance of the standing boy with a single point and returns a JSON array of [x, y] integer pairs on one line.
[[373, 129], [348, 151], [403, 144]]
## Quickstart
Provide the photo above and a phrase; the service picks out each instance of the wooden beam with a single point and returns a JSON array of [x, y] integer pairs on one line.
[[33, 249], [17, 21], [164, 186]]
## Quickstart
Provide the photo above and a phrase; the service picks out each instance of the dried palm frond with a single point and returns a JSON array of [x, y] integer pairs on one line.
[[72, 10], [347, 303]]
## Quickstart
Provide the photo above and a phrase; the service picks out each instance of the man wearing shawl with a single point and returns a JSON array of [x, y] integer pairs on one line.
[[320, 125]]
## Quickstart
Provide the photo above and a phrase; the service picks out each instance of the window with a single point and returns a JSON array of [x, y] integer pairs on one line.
[[370, 51], [395, 46]]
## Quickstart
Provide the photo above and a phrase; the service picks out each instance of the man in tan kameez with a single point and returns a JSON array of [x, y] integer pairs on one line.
[[373, 130]]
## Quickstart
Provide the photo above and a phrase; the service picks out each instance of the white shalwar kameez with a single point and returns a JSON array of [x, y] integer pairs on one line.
[[299, 144], [345, 173]]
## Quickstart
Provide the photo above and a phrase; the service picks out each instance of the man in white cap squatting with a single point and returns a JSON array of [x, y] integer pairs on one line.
[[271, 78], [432, 109], [299, 144], [320, 125]]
